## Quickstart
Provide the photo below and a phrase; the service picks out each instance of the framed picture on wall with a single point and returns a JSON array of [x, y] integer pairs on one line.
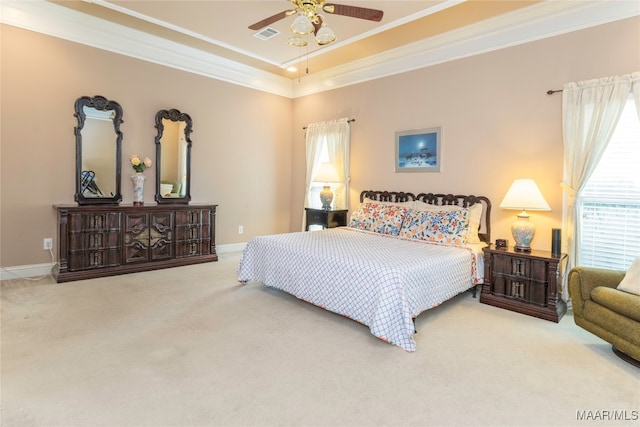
[[419, 150]]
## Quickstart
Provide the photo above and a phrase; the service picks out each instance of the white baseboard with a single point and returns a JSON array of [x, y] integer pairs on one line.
[[233, 247], [42, 270], [26, 271]]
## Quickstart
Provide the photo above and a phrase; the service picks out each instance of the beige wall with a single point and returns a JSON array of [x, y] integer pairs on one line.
[[248, 146], [498, 122], [241, 155]]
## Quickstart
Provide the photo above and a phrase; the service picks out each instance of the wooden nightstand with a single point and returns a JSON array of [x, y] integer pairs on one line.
[[526, 282], [327, 218]]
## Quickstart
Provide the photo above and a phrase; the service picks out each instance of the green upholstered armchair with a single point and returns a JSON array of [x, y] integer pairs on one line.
[[605, 311]]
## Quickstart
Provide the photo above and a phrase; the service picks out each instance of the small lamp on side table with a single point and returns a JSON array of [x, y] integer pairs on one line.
[[524, 194], [327, 174]]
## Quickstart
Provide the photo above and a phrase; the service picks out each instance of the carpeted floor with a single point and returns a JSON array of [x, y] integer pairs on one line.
[[189, 346]]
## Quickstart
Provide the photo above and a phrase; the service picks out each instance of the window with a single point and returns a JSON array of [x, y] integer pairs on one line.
[[327, 142], [609, 207]]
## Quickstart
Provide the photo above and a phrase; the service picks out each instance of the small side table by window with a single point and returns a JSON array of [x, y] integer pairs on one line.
[[327, 218], [526, 282]]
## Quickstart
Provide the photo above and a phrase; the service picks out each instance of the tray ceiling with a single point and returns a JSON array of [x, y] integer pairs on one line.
[[212, 38]]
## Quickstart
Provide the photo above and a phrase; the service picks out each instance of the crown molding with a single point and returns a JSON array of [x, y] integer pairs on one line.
[[58, 21], [379, 29], [546, 19], [543, 20]]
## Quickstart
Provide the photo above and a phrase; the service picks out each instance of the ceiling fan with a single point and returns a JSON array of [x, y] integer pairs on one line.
[[310, 21]]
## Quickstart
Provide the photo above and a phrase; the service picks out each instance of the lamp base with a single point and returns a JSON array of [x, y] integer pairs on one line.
[[523, 232], [326, 197]]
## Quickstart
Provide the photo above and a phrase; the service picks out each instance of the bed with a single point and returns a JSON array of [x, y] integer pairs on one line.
[[400, 255]]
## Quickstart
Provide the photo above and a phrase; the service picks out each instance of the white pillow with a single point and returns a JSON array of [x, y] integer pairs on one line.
[[475, 216], [631, 281]]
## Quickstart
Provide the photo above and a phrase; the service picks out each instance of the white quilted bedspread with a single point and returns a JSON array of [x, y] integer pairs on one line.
[[380, 281]]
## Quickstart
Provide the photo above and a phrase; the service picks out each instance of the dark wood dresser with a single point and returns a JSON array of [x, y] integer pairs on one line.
[[101, 240], [526, 282]]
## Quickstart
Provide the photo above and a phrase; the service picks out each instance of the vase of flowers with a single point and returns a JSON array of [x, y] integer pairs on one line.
[[138, 178]]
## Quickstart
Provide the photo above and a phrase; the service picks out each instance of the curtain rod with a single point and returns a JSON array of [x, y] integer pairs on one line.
[[348, 121], [551, 91]]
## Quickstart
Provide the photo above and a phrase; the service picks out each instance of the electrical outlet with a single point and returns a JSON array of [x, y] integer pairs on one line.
[[47, 243], [240, 229]]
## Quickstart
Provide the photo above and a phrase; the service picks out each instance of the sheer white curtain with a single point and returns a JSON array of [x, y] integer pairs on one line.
[[338, 138], [590, 111], [334, 137], [635, 77]]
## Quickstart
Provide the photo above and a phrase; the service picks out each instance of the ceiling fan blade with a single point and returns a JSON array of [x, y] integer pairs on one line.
[[270, 20], [354, 11]]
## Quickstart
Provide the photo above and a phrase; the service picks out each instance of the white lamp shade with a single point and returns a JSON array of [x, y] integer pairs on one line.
[[325, 35], [296, 41], [301, 25], [524, 194], [327, 173]]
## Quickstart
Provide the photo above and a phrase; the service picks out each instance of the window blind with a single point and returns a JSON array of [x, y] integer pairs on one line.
[[609, 206]]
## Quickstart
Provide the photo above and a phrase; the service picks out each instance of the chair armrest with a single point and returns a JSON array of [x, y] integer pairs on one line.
[[582, 280]]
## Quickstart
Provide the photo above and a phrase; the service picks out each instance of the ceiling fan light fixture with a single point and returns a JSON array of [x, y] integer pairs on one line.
[[325, 35], [302, 25], [297, 41], [309, 20]]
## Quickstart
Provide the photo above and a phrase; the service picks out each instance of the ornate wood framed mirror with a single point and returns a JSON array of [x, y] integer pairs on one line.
[[173, 157], [98, 151]]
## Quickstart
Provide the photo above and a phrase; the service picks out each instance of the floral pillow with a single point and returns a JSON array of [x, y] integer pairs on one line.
[[384, 219], [447, 227], [475, 216]]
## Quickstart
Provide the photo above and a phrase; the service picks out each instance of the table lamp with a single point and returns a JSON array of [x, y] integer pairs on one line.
[[327, 174], [524, 194]]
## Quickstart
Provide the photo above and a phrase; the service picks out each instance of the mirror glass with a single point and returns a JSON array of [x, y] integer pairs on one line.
[[98, 144], [173, 157]]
